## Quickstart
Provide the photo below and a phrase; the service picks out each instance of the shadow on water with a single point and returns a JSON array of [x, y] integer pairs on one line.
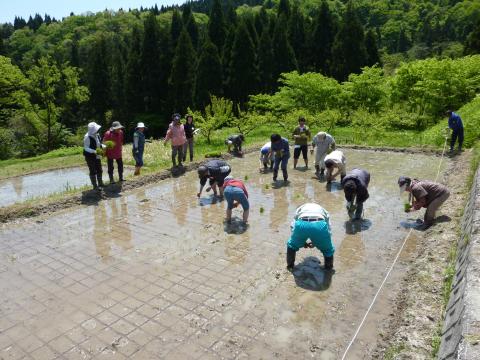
[[417, 224], [309, 275], [333, 186], [279, 184], [178, 171], [236, 226], [92, 197], [211, 200], [355, 226]]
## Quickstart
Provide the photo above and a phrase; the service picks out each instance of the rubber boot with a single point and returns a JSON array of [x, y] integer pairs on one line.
[[93, 179], [275, 175], [285, 175], [100, 180], [112, 180], [317, 169], [137, 170], [290, 258], [328, 262]]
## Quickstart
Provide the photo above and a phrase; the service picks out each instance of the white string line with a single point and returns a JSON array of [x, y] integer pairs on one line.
[[388, 273], [376, 295], [441, 158]]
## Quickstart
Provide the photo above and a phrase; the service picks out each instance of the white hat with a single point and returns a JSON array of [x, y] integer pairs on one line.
[[140, 125], [93, 127]]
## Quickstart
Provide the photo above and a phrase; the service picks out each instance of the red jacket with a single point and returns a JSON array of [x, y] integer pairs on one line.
[[236, 183], [117, 138]]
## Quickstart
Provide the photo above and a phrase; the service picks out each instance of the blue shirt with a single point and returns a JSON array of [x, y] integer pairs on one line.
[[455, 122], [281, 145]]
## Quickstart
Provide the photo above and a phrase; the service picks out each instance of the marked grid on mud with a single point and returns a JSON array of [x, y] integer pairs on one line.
[[153, 274]]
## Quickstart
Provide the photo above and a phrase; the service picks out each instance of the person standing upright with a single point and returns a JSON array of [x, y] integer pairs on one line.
[[455, 123], [115, 134], [281, 154], [92, 151], [138, 146], [176, 133], [301, 135], [189, 128]]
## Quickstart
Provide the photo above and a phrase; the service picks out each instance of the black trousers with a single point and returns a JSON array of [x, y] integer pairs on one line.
[[111, 168], [457, 134], [94, 166]]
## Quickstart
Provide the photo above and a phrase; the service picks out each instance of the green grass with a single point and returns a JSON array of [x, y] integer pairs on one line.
[[393, 351]]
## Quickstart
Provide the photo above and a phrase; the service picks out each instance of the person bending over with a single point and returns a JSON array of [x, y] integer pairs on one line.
[[215, 171]]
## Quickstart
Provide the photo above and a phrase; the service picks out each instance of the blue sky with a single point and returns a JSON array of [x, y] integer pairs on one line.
[[60, 8]]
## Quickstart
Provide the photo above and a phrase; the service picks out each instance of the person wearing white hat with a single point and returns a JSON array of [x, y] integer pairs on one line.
[[92, 151], [138, 146], [323, 142]]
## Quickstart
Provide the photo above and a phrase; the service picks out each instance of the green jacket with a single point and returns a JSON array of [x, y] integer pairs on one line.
[[304, 135]]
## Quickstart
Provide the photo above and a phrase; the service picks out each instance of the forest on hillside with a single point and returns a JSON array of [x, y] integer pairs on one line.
[[145, 64]]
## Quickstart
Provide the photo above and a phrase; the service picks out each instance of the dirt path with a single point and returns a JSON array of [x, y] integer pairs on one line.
[[417, 313]]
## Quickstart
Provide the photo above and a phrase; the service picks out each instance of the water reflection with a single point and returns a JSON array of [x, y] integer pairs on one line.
[[111, 228]]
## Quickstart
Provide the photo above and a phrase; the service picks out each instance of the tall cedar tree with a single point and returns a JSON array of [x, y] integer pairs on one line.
[[74, 58], [284, 8], [3, 49], [209, 75], [99, 81], [243, 71], [231, 14], [324, 29], [226, 59], [182, 76], [266, 62], [472, 45], [261, 20], [285, 60], [250, 23], [349, 49], [217, 28], [373, 56], [403, 43], [296, 35], [151, 67], [133, 75], [117, 82], [176, 27], [189, 21]]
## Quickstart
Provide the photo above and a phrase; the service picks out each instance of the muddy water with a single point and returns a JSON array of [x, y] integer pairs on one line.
[[21, 188], [160, 270]]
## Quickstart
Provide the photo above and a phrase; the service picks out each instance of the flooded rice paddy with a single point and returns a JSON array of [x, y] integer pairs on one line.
[[156, 273]]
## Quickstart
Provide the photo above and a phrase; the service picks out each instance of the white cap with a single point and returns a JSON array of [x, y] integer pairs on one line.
[[140, 125]]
